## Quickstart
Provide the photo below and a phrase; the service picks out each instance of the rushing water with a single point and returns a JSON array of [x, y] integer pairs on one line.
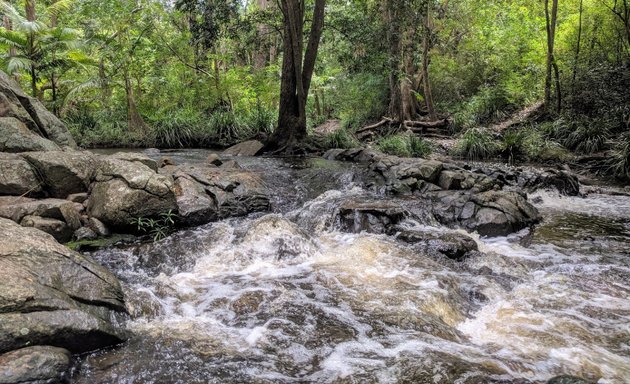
[[285, 297]]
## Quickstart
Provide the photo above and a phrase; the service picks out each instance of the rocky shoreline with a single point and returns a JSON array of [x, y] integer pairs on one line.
[[55, 302]]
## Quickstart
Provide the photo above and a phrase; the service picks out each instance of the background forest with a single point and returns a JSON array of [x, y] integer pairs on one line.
[[190, 73]]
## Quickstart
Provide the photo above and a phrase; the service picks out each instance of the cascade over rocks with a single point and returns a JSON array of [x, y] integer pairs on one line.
[[50, 295], [455, 196]]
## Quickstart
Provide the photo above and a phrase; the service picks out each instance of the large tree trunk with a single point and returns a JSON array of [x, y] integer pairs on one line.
[[135, 121], [297, 72], [264, 32]]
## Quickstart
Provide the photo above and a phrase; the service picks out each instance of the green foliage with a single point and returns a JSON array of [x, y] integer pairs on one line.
[[579, 134], [621, 158], [404, 146], [487, 106], [360, 99], [341, 138], [477, 144], [157, 228]]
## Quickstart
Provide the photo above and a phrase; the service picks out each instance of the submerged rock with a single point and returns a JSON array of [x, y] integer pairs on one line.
[[566, 379], [50, 295], [34, 365], [451, 244]]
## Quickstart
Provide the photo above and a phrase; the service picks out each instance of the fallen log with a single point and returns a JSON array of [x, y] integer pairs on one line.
[[427, 124], [374, 126]]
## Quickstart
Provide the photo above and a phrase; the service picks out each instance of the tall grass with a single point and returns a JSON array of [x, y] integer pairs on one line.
[[404, 146]]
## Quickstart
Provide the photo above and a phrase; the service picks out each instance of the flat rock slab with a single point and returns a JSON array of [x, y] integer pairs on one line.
[[34, 365], [246, 148]]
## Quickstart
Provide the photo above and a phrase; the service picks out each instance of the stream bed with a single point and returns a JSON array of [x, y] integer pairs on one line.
[[286, 297]]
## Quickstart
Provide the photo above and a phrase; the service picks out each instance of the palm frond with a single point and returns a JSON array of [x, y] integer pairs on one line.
[[12, 38], [18, 63], [7, 9]]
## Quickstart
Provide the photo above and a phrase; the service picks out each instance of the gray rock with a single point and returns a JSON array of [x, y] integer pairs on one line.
[[451, 180], [214, 159], [126, 190], [34, 365], [17, 177], [77, 197], [64, 173], [205, 194], [194, 204], [136, 157], [246, 148], [566, 379], [84, 233], [231, 164], [98, 227], [57, 228], [451, 244], [16, 137], [370, 216], [16, 208], [50, 295], [71, 216], [14, 103]]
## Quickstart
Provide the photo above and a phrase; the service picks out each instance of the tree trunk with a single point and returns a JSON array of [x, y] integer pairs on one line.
[[134, 120], [264, 42], [577, 47], [550, 20], [297, 72], [428, 95], [29, 8]]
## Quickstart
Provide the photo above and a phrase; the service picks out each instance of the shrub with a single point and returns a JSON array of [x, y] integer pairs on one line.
[[477, 144], [404, 146], [621, 157], [341, 138]]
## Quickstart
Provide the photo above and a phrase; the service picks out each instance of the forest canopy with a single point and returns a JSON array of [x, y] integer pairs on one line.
[[208, 73]]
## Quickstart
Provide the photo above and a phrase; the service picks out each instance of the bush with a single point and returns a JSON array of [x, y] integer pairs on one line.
[[488, 105], [404, 146], [579, 134], [477, 144], [621, 157], [341, 138]]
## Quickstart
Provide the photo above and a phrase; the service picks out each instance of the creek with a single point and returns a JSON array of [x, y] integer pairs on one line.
[[288, 297]]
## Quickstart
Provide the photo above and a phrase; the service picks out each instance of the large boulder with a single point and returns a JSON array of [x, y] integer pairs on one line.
[[64, 173], [15, 105], [209, 193], [50, 295], [34, 365], [16, 137], [16, 208], [17, 177], [123, 190]]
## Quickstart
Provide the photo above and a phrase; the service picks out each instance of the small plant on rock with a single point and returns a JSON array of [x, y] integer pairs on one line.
[[157, 228]]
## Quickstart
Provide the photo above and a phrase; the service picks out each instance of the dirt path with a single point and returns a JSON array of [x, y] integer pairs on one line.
[[518, 117]]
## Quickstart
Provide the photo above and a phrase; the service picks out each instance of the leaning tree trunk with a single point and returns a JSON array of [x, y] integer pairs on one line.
[[297, 72]]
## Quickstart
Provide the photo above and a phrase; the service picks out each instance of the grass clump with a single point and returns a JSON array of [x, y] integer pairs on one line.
[[621, 157], [404, 146], [477, 144], [341, 138]]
